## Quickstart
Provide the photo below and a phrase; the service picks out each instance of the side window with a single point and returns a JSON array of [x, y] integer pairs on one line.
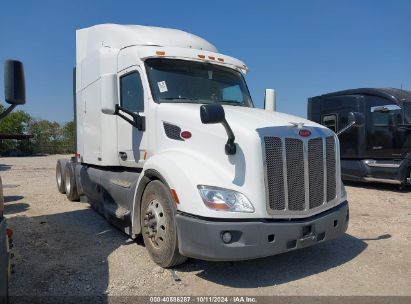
[[384, 114], [330, 121], [131, 92]]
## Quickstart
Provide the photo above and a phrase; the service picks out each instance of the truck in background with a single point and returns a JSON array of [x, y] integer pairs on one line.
[[171, 147], [381, 150], [14, 91]]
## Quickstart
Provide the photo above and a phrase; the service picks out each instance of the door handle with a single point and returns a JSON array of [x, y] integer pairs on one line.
[[122, 155]]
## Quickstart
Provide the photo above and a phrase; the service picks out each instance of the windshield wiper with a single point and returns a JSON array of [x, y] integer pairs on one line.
[[179, 99]]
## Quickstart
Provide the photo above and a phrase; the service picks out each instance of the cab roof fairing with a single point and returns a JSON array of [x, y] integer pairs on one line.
[[118, 36]]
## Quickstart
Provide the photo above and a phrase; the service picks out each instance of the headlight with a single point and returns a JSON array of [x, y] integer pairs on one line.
[[343, 192], [225, 200]]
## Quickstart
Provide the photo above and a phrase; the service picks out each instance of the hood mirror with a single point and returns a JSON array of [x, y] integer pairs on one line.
[[14, 85], [214, 113]]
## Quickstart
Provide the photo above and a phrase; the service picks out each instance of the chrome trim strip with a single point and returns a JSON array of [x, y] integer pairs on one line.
[[382, 180], [285, 173], [338, 180], [325, 170], [306, 176], [374, 163]]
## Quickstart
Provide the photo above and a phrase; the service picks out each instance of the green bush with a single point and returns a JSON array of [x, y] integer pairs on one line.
[[49, 137]]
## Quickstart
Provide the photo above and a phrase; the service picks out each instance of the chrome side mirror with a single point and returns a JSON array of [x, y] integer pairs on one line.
[[355, 119]]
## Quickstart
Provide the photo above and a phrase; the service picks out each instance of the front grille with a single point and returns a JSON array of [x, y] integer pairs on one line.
[[292, 165], [294, 150]]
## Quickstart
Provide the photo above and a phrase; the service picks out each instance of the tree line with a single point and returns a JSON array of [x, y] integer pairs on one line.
[[48, 137]]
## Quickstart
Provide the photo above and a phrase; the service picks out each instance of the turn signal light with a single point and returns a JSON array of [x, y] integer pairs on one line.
[[160, 53], [175, 196]]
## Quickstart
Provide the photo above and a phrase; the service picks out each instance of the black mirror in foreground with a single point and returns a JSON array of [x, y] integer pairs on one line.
[[355, 119], [212, 114], [14, 85]]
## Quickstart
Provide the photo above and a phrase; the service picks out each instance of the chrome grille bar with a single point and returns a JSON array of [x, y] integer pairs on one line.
[[295, 171], [316, 172], [275, 179], [331, 168]]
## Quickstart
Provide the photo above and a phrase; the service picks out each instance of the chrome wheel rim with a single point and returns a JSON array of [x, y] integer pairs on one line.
[[58, 176]]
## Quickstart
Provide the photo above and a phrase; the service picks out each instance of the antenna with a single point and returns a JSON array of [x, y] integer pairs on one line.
[[402, 92]]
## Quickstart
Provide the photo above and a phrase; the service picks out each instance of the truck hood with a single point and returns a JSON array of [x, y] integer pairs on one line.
[[238, 117], [201, 158]]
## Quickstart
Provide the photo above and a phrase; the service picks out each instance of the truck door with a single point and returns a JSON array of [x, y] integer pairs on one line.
[[384, 137], [130, 141], [406, 128], [334, 115]]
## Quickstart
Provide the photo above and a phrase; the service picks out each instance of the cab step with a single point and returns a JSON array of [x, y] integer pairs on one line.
[[118, 212]]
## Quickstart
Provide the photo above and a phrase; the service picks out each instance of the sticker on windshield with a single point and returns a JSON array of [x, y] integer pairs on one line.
[[162, 86]]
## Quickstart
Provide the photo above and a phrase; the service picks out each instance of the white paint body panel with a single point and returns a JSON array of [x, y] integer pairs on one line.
[[118, 36], [201, 159]]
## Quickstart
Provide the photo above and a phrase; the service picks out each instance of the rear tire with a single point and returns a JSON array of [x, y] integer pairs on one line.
[[158, 225], [70, 183], [60, 167]]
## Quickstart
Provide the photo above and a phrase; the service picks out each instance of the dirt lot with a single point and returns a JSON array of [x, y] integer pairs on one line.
[[65, 248]]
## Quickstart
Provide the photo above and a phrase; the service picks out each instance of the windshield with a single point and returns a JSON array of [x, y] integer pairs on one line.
[[173, 80]]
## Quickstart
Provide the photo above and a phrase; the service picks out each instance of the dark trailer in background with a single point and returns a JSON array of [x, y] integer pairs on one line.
[[381, 149]]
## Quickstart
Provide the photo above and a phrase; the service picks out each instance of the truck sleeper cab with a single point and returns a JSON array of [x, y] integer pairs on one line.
[[170, 146], [381, 150]]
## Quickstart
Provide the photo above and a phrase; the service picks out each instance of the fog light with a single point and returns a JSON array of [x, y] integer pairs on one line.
[[226, 237]]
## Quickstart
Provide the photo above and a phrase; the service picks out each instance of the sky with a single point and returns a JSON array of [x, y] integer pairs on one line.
[[299, 48]]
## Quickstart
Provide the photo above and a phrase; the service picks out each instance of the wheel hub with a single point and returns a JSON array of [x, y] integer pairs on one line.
[[154, 221]]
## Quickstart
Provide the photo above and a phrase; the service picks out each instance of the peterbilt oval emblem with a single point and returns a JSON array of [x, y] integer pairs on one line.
[[304, 132]]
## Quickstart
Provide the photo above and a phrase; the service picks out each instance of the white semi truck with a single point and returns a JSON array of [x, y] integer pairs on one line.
[[170, 146]]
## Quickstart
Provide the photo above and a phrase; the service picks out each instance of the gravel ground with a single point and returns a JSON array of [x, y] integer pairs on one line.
[[66, 248]]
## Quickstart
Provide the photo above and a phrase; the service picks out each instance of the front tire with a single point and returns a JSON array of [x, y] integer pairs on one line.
[[158, 225]]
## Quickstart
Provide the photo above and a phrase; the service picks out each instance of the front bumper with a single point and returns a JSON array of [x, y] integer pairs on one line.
[[202, 238]]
